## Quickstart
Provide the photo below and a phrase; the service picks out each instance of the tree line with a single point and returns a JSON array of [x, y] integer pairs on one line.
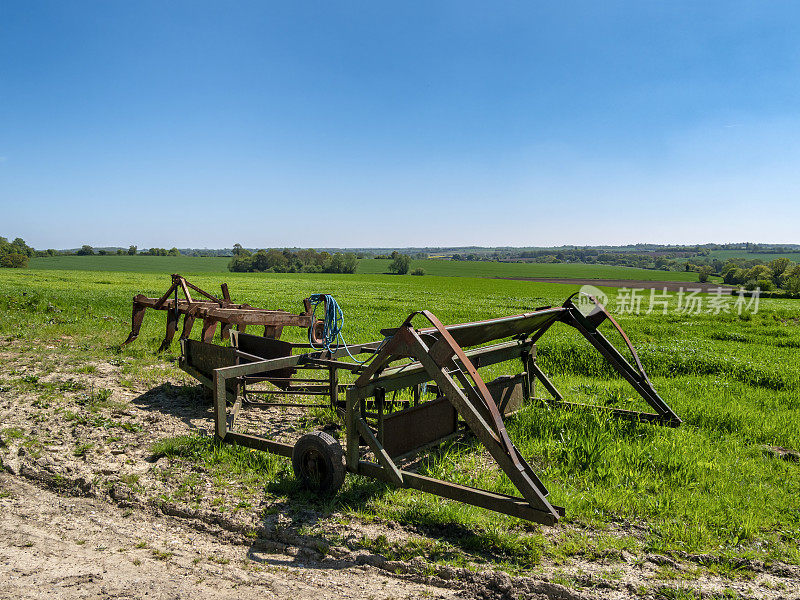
[[780, 273], [15, 255], [288, 261]]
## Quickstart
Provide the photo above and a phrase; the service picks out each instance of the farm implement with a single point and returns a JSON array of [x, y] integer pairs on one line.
[[414, 390], [213, 310]]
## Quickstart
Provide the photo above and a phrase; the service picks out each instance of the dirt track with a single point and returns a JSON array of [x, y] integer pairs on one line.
[[671, 286], [72, 547]]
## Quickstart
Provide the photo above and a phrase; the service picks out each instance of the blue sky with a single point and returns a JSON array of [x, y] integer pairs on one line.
[[398, 124]]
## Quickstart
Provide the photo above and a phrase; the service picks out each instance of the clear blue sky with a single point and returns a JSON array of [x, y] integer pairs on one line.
[[397, 124]]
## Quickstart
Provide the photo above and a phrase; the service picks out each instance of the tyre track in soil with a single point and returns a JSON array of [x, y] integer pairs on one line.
[[670, 286]]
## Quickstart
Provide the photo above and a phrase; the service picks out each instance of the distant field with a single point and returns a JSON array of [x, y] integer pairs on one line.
[[449, 268], [726, 254], [139, 264], [445, 268]]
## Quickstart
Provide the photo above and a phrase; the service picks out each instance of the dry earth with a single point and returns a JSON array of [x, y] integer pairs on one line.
[[86, 511], [670, 286], [77, 547]]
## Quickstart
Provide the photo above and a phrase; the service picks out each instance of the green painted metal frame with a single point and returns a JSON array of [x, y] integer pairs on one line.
[[437, 356]]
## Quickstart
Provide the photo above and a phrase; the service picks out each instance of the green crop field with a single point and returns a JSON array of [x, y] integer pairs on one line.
[[190, 265], [451, 268], [705, 487]]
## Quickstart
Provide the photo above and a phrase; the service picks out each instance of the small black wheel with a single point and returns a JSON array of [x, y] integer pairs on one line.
[[318, 463]]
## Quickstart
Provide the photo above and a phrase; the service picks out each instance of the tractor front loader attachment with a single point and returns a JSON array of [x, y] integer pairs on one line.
[[415, 390]]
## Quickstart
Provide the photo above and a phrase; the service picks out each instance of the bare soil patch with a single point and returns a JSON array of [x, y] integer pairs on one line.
[[670, 286], [77, 547]]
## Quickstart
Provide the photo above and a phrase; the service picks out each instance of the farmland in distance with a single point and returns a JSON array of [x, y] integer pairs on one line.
[[445, 268]]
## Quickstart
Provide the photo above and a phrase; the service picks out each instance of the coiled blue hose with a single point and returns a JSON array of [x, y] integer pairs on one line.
[[333, 322]]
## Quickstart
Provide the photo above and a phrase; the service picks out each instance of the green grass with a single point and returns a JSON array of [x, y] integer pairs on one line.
[[446, 268], [450, 268], [705, 487]]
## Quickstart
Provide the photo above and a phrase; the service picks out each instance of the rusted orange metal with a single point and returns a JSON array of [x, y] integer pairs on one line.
[[213, 311]]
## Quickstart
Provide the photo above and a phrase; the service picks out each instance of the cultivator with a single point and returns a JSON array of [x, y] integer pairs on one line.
[[417, 388], [213, 310]]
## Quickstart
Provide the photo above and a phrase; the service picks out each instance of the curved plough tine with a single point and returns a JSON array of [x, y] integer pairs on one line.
[[209, 327], [136, 322], [188, 323], [172, 327]]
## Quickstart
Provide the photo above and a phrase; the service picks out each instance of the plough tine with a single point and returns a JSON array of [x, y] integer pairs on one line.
[[273, 331], [188, 323], [136, 321], [224, 331], [172, 327], [209, 327]]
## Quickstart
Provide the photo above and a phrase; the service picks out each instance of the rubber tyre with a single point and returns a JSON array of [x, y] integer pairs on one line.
[[318, 463]]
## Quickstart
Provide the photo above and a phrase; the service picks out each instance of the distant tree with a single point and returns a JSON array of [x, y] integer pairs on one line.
[[759, 273], [704, 273], [240, 264], [173, 252], [132, 250], [85, 250], [102, 252], [238, 250], [400, 264], [779, 266], [277, 261], [342, 263], [20, 247], [14, 260], [51, 252], [792, 284], [289, 261], [418, 271], [260, 261], [120, 252]]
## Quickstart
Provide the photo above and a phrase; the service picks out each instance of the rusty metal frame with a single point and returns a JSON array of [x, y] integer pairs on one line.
[[437, 356], [213, 310]]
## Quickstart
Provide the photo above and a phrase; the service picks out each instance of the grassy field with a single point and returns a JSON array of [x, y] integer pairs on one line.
[[449, 268], [707, 486], [446, 268]]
